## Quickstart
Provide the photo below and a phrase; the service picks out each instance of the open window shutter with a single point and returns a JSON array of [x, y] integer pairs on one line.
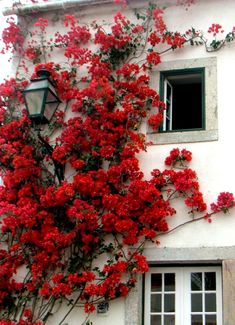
[[168, 98]]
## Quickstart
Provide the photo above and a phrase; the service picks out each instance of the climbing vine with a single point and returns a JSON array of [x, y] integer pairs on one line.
[[56, 230]]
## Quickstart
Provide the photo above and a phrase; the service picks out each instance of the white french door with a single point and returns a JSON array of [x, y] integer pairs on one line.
[[183, 296]]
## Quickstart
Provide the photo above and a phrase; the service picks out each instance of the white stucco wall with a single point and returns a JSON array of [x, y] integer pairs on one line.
[[213, 160]]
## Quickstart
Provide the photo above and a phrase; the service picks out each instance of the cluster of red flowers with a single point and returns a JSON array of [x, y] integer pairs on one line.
[[55, 227], [42, 23], [224, 202], [177, 155], [12, 36], [215, 29], [185, 2]]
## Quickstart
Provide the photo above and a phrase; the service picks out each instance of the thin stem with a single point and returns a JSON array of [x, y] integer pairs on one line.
[[144, 45], [71, 308], [43, 308], [86, 319], [183, 224], [49, 313]]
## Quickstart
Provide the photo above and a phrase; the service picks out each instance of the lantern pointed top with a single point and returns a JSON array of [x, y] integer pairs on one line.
[[43, 73]]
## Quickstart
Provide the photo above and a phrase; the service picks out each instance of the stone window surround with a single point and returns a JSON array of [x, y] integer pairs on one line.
[[211, 121], [224, 256]]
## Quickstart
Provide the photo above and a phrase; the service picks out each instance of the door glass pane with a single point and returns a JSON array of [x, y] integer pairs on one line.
[[168, 117], [170, 282], [156, 303], [196, 320], [156, 282], [169, 320], [167, 124], [196, 281], [210, 302], [196, 302], [168, 109], [169, 303], [210, 319], [210, 281], [156, 320]]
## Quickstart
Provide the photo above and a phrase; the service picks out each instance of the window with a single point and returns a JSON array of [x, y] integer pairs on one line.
[[183, 296], [183, 93], [190, 90]]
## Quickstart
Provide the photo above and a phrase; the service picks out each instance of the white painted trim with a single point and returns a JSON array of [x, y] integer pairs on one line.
[[169, 115]]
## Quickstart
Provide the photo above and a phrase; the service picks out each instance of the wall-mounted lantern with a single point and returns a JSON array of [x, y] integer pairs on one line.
[[41, 98], [42, 101]]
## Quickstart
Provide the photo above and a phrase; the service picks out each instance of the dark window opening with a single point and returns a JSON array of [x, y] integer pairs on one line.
[[184, 98], [187, 107]]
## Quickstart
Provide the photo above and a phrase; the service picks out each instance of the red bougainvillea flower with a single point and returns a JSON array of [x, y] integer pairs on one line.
[[215, 29], [177, 155], [225, 201]]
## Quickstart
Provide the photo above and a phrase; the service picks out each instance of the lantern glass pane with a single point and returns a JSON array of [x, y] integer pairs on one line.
[[34, 101], [51, 98], [50, 110], [51, 88], [37, 84]]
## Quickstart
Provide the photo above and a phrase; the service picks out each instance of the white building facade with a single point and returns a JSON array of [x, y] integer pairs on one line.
[[191, 280]]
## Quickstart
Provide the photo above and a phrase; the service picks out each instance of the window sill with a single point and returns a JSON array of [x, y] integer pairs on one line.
[[182, 137]]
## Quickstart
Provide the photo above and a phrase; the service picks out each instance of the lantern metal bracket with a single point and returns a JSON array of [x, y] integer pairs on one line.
[[59, 168]]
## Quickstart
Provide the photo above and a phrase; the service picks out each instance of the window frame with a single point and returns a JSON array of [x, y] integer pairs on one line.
[[210, 133], [183, 291], [223, 256], [164, 75]]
